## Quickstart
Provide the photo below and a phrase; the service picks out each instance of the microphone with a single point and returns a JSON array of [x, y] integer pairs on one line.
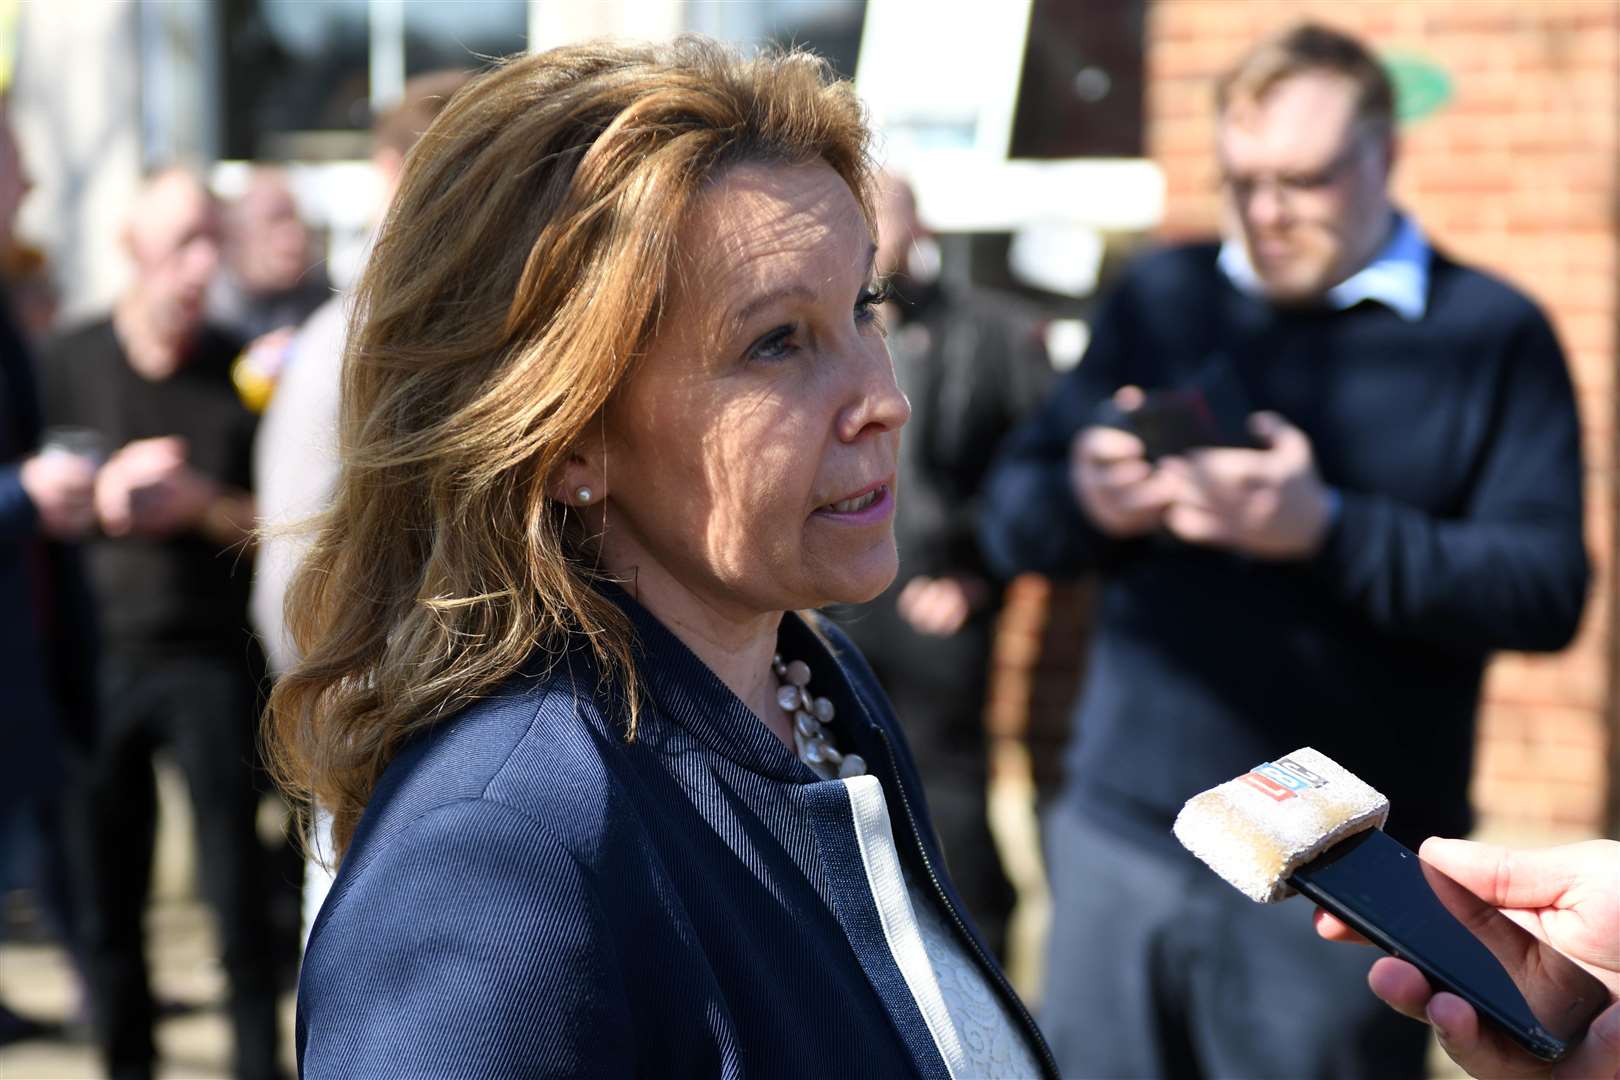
[[1257, 829], [1304, 823]]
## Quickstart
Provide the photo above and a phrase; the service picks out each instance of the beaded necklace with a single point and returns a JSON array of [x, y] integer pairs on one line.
[[812, 739]]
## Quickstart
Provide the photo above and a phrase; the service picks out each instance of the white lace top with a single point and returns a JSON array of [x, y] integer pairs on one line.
[[990, 1039], [971, 1027]]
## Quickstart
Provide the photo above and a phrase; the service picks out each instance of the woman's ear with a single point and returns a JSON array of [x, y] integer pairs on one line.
[[579, 483]]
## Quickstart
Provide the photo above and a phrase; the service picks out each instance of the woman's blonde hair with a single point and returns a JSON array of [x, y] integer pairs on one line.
[[518, 276]]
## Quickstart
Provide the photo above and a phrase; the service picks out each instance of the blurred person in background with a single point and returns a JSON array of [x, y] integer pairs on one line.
[[46, 619], [1411, 501], [616, 409], [973, 365], [295, 450], [272, 275], [271, 279], [170, 572]]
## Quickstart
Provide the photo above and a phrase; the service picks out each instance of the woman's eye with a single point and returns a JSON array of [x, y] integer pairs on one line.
[[783, 342], [872, 298], [776, 345]]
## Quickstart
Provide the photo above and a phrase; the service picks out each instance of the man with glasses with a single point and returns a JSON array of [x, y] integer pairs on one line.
[[1323, 471]]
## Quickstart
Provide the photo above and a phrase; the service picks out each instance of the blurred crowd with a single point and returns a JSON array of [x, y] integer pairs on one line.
[[142, 450], [1321, 470]]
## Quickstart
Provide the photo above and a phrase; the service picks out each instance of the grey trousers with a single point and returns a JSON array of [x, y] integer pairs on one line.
[[1158, 968]]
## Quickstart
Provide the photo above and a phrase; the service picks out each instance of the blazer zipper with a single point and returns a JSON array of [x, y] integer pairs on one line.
[[985, 963]]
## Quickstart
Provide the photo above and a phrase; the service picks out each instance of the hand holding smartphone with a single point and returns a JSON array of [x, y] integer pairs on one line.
[[1464, 945], [1211, 409]]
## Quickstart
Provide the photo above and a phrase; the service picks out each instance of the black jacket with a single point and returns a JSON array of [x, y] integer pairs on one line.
[[46, 629]]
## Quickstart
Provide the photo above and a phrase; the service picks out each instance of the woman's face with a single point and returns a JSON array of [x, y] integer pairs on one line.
[[749, 461]]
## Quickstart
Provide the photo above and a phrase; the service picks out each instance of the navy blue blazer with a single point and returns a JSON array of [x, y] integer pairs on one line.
[[528, 894]]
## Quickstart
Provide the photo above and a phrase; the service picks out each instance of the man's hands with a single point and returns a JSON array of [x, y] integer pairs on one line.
[[61, 486], [145, 489], [148, 489], [1568, 897], [1119, 490], [1267, 504]]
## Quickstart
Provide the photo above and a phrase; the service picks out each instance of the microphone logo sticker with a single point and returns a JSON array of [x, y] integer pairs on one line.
[[1281, 780]]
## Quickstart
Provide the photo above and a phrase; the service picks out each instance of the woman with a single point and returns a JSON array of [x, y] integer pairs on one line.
[[616, 405]]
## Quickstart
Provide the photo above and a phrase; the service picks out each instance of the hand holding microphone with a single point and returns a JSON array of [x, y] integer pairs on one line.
[[1487, 934], [1566, 896]]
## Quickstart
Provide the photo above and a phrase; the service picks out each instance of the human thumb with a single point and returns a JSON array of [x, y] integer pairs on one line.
[[1603, 1040], [1505, 877], [1279, 435]]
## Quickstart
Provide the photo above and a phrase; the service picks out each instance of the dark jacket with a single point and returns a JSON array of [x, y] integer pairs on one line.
[[1454, 444], [973, 364], [528, 894], [45, 614]]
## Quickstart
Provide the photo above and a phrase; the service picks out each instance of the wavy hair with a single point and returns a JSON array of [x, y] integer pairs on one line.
[[518, 276]]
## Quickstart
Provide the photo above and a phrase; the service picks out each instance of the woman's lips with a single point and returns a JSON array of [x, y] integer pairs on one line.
[[868, 505]]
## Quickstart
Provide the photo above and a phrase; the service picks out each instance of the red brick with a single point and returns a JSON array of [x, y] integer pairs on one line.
[[1486, 178], [1520, 680], [1581, 333], [1594, 373], [1492, 16], [1519, 801], [1456, 137], [1596, 16]]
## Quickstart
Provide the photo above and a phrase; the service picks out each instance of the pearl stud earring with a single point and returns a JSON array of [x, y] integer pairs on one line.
[[583, 494]]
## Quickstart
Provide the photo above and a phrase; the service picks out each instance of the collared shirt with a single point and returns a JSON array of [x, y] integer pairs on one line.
[[1398, 277]]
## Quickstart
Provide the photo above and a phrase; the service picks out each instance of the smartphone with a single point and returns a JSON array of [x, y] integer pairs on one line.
[[1462, 944], [1211, 409]]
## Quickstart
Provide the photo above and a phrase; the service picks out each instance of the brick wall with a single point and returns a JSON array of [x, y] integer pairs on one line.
[[1518, 173], [1041, 644]]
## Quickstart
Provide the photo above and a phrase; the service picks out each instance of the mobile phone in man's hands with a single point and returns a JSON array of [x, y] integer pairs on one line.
[[1212, 409]]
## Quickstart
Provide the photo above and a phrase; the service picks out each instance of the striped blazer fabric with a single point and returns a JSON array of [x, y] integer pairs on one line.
[[529, 894]]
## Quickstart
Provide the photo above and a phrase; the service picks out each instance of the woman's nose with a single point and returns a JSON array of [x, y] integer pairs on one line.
[[878, 405]]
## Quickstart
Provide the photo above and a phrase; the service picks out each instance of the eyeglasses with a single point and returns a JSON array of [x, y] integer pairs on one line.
[[1291, 186]]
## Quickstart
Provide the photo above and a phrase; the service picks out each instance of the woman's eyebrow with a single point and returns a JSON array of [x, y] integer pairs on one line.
[[797, 291], [766, 300]]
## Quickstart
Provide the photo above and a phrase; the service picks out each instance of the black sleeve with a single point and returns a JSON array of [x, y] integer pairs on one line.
[[18, 516], [1010, 378], [1511, 572], [237, 461], [1031, 519], [19, 431], [53, 409]]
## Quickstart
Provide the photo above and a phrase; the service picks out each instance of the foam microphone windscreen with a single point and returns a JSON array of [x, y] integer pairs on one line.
[[1259, 828]]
